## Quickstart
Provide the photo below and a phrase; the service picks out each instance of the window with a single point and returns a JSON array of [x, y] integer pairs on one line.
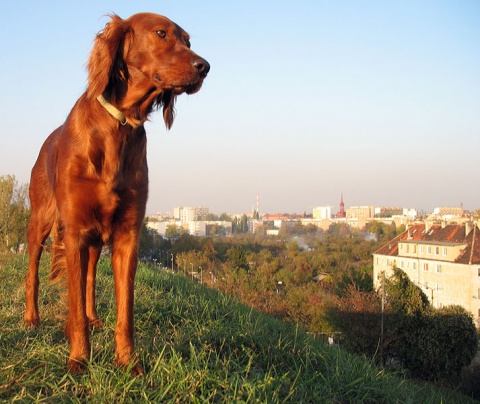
[[437, 250], [407, 248], [425, 266], [444, 251], [414, 265], [438, 268], [414, 248], [429, 250]]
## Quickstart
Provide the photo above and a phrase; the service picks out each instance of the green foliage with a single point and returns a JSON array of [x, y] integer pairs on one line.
[[196, 345], [237, 258], [431, 344], [403, 297], [339, 230], [152, 244], [186, 242], [437, 345], [382, 231], [14, 213], [240, 226], [357, 316], [172, 231], [469, 380]]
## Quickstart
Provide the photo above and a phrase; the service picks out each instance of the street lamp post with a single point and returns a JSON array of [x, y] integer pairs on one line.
[[201, 275], [172, 261]]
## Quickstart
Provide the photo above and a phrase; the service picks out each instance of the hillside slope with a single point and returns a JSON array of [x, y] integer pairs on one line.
[[196, 346]]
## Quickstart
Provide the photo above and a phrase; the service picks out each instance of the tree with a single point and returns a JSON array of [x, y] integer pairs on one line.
[[151, 244], [224, 217], [382, 231], [172, 231], [431, 344], [14, 213], [357, 316], [240, 226], [403, 297], [237, 258]]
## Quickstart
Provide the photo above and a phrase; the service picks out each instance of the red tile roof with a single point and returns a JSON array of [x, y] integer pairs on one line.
[[438, 234]]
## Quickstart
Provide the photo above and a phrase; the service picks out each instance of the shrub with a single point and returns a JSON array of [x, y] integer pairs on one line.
[[357, 317], [437, 345], [470, 380]]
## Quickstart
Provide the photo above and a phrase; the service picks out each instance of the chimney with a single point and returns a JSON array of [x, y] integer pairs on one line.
[[468, 227], [428, 224]]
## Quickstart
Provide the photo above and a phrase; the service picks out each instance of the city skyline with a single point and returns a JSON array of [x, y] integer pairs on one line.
[[335, 209], [304, 100]]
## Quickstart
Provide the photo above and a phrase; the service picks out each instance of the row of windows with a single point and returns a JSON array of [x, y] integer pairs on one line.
[[413, 248], [426, 266]]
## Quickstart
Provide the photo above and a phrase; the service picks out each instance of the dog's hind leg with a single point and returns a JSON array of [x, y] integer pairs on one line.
[[38, 231], [94, 255]]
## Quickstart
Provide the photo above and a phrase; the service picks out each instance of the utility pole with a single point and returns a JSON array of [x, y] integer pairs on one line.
[[381, 318]]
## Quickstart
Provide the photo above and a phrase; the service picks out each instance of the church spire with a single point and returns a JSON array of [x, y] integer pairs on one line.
[[341, 212]]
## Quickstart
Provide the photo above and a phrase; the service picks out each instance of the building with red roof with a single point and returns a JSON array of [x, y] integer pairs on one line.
[[442, 259]]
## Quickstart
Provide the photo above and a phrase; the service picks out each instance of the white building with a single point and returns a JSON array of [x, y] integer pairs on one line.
[[442, 259], [322, 212], [189, 213]]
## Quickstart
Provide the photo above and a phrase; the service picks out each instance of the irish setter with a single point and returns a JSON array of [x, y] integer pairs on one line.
[[89, 184]]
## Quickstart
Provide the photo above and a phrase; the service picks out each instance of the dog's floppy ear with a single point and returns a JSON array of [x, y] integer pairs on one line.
[[106, 58]]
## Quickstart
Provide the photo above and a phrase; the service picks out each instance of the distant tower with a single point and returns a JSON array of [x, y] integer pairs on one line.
[[341, 212]]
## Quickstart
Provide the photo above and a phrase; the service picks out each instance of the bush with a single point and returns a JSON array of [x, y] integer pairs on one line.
[[437, 345], [357, 316], [470, 381]]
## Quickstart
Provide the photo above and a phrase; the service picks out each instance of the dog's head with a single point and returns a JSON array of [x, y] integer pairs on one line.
[[144, 62]]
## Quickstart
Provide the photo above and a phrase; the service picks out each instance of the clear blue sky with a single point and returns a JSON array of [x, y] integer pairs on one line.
[[305, 100]]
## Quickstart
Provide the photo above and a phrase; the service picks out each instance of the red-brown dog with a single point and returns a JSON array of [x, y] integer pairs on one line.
[[89, 185]]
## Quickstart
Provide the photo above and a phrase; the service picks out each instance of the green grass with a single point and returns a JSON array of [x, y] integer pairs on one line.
[[196, 346]]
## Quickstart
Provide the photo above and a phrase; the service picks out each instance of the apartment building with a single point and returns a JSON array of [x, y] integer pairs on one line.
[[442, 259], [360, 212], [189, 213], [322, 212]]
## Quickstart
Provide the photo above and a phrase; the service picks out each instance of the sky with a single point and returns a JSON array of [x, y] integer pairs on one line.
[[305, 100]]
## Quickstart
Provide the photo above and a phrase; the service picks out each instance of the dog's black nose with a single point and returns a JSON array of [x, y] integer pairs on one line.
[[202, 66]]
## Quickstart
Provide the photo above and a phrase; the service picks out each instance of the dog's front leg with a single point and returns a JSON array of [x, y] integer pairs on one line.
[[124, 262], [77, 329]]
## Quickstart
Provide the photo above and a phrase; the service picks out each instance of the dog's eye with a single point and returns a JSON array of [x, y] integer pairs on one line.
[[161, 33]]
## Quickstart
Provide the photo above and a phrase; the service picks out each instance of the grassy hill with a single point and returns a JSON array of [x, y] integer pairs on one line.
[[196, 346]]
